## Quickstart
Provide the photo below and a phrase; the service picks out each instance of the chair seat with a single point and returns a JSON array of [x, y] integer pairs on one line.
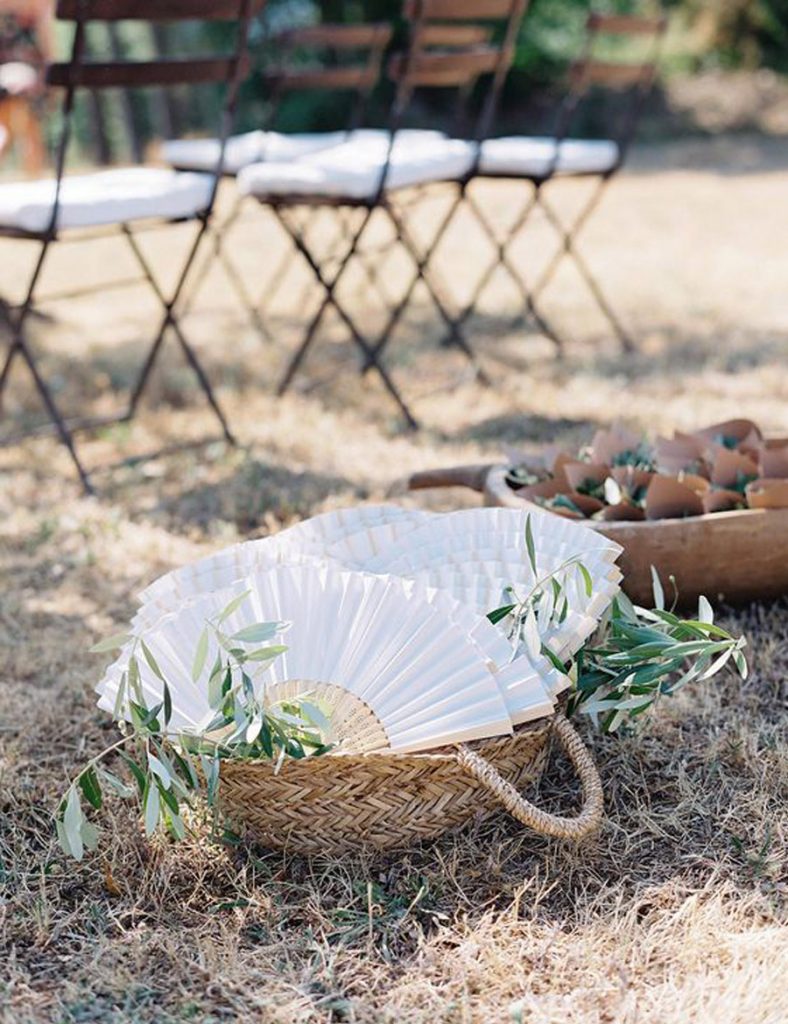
[[106, 197], [254, 147], [534, 157], [352, 170]]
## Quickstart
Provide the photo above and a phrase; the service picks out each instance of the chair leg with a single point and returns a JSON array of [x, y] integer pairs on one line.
[[329, 285], [370, 273], [218, 252], [424, 274], [334, 255], [54, 414], [19, 348], [421, 262], [502, 259], [169, 320], [568, 249], [13, 352], [251, 307], [7, 317]]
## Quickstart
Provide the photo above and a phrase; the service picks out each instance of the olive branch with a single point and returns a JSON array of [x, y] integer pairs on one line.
[[637, 656], [170, 770]]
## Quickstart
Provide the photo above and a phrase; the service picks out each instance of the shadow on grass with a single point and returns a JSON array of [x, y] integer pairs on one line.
[[668, 352], [514, 428], [252, 493]]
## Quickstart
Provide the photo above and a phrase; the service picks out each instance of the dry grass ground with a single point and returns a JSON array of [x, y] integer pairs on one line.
[[675, 913]]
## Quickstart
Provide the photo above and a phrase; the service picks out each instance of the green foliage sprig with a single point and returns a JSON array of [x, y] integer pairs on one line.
[[637, 656], [169, 770], [525, 618], [641, 655]]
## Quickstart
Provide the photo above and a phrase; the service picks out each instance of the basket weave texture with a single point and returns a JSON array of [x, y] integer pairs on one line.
[[338, 803]]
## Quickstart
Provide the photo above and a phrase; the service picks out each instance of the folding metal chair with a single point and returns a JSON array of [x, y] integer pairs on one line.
[[542, 161], [287, 63], [451, 48], [120, 201], [368, 176]]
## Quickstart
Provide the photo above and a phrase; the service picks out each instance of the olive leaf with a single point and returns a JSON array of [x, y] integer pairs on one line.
[[640, 656], [162, 765], [112, 643]]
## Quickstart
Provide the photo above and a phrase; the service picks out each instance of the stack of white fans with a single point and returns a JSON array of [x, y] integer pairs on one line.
[[385, 611]]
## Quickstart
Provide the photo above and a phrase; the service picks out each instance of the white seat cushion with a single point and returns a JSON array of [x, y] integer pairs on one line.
[[352, 170], [242, 150], [254, 147], [523, 156], [107, 197]]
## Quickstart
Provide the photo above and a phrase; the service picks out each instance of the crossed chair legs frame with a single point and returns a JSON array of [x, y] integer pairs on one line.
[[328, 279], [529, 295], [371, 349], [19, 347], [257, 309], [567, 249], [424, 272]]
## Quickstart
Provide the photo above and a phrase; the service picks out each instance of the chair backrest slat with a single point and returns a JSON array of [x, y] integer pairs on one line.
[[433, 70], [358, 72], [608, 73], [451, 35], [140, 74], [150, 10], [624, 24], [459, 10], [325, 78], [338, 37]]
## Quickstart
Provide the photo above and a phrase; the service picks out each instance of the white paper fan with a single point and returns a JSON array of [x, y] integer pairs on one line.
[[302, 543], [458, 566], [528, 686], [484, 587], [475, 553], [367, 639], [322, 533], [200, 580]]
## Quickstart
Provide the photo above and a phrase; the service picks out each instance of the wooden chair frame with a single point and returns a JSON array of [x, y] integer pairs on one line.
[[465, 24], [72, 75], [637, 80], [359, 80], [442, 53]]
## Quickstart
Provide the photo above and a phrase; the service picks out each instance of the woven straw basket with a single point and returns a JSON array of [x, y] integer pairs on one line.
[[341, 802]]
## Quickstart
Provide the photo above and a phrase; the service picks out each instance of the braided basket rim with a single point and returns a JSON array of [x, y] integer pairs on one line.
[[439, 755]]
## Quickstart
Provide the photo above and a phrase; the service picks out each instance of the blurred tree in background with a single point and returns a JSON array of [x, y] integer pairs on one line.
[[740, 33]]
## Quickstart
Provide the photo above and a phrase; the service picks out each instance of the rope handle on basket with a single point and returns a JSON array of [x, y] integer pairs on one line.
[[589, 818]]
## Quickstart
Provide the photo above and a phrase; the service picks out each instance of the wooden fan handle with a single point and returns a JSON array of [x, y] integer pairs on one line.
[[587, 821]]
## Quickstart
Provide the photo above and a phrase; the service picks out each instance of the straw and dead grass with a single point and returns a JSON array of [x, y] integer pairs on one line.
[[675, 912]]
